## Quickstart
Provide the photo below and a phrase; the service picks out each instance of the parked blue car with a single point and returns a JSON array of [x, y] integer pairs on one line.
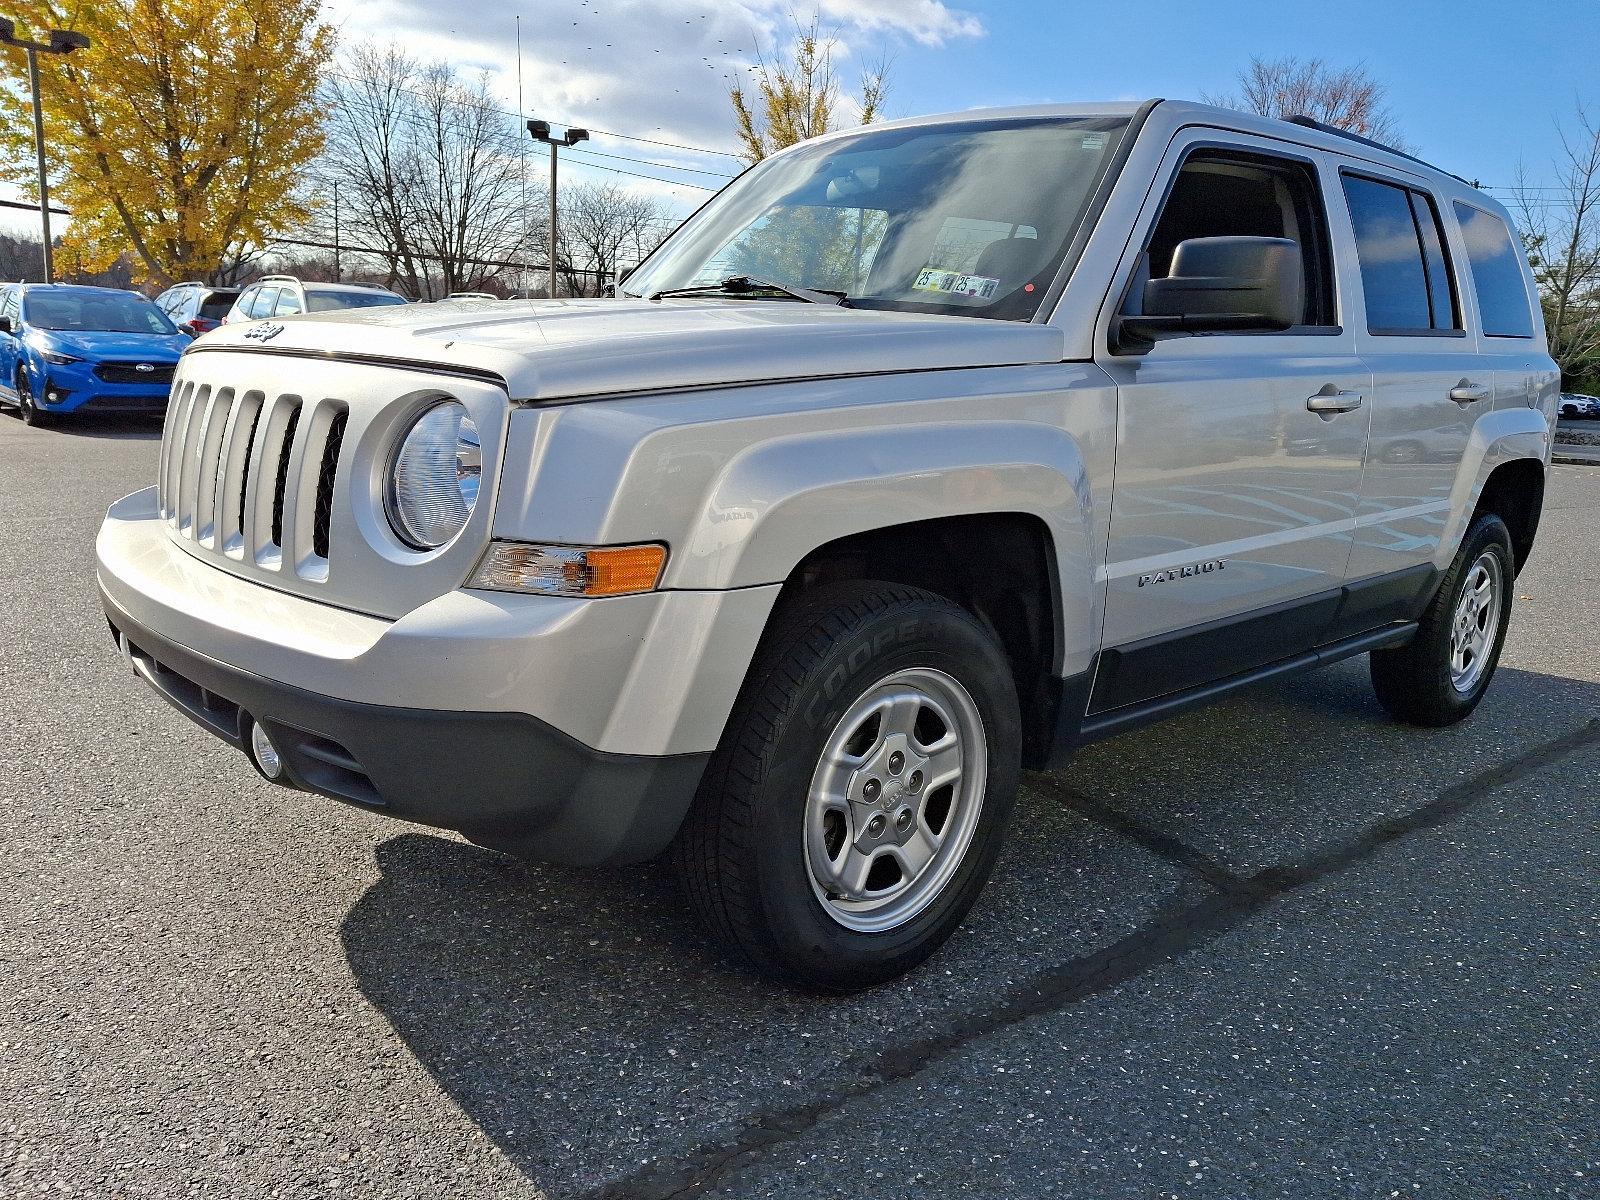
[[66, 348]]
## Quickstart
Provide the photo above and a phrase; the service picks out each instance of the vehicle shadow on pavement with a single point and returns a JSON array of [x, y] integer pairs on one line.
[[108, 426], [585, 1024]]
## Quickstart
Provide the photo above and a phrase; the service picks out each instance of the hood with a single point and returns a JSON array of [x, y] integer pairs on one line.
[[102, 343], [547, 351]]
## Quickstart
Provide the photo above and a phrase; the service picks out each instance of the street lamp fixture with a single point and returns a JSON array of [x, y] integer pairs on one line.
[[62, 41], [540, 132]]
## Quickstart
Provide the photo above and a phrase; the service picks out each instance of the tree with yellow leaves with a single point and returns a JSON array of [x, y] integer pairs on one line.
[[180, 133], [797, 94]]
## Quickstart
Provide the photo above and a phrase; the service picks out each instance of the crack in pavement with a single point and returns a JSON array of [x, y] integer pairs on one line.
[[1162, 845], [1237, 899]]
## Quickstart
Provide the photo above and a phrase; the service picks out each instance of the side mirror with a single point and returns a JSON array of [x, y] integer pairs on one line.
[[5, 326], [1221, 284]]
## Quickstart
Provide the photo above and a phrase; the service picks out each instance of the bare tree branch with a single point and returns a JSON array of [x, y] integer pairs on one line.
[[1345, 97], [1561, 227]]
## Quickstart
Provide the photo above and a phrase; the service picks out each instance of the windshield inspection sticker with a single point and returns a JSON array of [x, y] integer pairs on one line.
[[955, 283]]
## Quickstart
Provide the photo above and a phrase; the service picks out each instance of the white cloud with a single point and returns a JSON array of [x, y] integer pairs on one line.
[[927, 21], [651, 68]]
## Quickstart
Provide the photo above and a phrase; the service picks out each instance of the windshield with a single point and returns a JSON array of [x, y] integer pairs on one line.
[[320, 301], [970, 218], [110, 312]]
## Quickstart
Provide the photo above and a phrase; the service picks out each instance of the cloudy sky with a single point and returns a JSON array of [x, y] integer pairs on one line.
[[648, 72], [1474, 91]]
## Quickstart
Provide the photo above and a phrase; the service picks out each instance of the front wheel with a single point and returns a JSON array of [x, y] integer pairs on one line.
[[862, 789], [1439, 677], [29, 411]]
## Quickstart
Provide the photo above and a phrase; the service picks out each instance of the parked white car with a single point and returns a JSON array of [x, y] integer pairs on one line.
[[923, 453], [1577, 404], [286, 296]]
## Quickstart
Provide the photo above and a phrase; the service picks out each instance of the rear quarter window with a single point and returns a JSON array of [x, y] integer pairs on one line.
[[321, 301], [1497, 277]]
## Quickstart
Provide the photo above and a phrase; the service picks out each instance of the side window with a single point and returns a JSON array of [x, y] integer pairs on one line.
[[261, 306], [247, 300], [1446, 312], [1496, 274], [1223, 193], [9, 305], [1405, 274], [288, 303]]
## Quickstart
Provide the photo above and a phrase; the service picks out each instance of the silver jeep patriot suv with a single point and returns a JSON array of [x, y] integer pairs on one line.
[[923, 453]]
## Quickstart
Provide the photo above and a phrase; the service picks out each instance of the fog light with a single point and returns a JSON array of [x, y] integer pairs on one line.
[[268, 760]]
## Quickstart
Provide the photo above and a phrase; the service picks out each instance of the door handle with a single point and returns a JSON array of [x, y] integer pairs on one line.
[[1330, 401], [1467, 392]]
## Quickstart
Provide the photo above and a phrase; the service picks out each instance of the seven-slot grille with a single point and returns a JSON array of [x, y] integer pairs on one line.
[[252, 476]]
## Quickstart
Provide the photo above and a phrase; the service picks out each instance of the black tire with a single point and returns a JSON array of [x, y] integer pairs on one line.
[[1415, 682], [26, 408], [742, 856]]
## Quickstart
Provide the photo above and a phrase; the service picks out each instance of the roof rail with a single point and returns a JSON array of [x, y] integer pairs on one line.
[[278, 279], [1323, 127]]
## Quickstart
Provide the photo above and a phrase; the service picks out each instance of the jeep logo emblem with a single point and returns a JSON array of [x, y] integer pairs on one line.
[[263, 333], [1188, 572]]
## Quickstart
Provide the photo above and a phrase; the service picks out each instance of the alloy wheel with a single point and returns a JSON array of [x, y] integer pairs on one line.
[[1476, 623], [895, 799]]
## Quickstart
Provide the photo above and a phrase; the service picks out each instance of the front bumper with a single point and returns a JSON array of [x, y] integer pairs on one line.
[[78, 389], [563, 730], [504, 780]]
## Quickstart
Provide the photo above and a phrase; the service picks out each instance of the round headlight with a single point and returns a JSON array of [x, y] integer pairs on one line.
[[433, 484]]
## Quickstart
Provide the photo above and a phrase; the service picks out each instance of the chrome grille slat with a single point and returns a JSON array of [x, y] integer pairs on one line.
[[304, 489], [295, 431], [209, 457], [189, 459], [233, 479], [267, 458], [172, 450]]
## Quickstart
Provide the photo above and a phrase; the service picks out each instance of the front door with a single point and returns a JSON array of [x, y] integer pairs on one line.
[[1239, 455]]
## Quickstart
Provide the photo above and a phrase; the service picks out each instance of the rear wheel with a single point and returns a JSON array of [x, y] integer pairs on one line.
[[860, 796], [1439, 677]]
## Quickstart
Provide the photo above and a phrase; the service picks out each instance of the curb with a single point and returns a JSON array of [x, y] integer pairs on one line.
[[1591, 459]]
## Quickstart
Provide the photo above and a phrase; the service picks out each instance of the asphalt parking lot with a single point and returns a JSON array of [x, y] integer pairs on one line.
[[1280, 947]]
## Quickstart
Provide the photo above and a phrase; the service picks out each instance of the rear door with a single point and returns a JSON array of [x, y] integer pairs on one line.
[[1430, 383], [1233, 496]]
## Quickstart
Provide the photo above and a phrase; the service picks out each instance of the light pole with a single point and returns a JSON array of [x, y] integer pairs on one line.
[[541, 133], [62, 41]]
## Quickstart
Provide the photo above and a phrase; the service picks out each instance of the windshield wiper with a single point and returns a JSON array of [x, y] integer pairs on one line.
[[745, 285]]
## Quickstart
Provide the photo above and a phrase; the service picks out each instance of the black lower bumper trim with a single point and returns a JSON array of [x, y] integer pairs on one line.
[[504, 780]]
